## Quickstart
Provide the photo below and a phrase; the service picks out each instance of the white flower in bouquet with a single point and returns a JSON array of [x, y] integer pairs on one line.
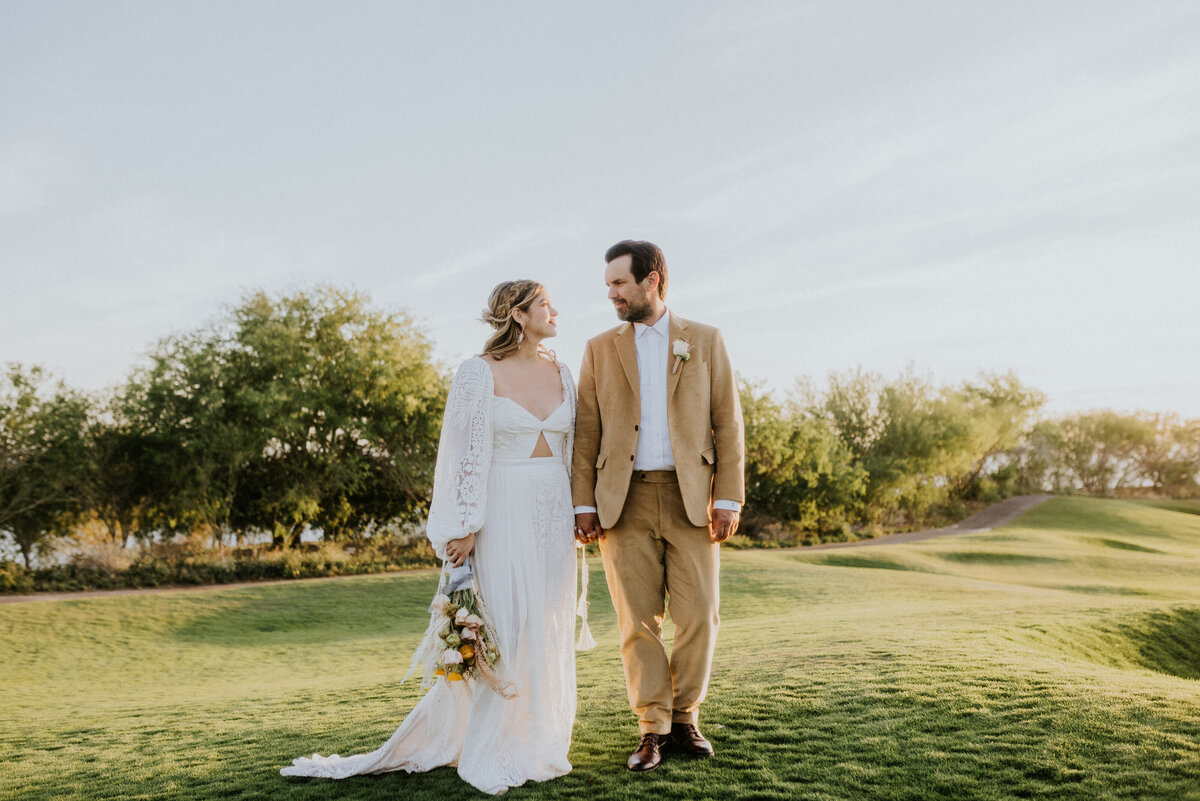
[[458, 643]]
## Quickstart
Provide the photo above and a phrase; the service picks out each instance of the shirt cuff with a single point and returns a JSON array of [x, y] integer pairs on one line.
[[583, 510], [729, 506]]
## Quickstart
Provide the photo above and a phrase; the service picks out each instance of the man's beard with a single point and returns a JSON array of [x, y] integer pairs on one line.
[[636, 312]]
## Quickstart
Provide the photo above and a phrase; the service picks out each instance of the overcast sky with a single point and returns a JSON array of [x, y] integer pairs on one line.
[[962, 187]]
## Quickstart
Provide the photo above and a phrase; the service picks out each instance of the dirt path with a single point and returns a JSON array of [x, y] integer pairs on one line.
[[996, 515], [1004, 512]]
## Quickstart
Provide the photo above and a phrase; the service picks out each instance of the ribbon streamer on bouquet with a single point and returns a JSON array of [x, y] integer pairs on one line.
[[586, 641], [457, 578]]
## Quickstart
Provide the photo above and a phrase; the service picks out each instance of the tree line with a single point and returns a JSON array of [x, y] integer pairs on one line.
[[869, 452], [317, 411], [312, 410]]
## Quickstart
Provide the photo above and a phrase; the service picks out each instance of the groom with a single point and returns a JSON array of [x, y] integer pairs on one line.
[[658, 479]]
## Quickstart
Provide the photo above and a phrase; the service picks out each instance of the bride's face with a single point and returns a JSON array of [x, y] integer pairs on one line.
[[540, 320]]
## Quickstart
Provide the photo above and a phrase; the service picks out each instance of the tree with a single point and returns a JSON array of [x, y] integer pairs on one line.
[[355, 403], [196, 429], [796, 467], [41, 445], [1096, 449], [307, 410], [1002, 411], [1035, 461], [1169, 456], [113, 483], [913, 441]]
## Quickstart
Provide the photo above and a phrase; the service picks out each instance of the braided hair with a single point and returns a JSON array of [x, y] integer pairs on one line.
[[506, 298]]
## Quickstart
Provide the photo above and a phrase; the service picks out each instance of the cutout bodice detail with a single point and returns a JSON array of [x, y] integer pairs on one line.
[[516, 430]]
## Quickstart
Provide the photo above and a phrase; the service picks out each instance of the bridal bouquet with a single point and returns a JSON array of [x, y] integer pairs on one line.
[[458, 643]]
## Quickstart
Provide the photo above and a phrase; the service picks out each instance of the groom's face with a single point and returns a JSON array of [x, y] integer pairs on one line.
[[634, 302]]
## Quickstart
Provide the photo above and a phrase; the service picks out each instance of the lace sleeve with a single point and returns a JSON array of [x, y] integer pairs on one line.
[[460, 478], [572, 402]]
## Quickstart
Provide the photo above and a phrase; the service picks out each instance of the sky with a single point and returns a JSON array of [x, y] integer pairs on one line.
[[950, 187]]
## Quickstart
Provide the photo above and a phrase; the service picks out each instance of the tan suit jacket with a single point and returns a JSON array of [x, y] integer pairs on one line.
[[704, 416]]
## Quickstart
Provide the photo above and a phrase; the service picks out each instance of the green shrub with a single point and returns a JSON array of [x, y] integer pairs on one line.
[[14, 578], [181, 565]]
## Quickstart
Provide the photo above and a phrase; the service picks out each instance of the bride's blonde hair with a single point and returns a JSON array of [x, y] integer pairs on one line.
[[506, 298]]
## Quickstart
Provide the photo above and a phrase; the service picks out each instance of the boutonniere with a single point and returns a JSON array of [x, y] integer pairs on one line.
[[680, 349]]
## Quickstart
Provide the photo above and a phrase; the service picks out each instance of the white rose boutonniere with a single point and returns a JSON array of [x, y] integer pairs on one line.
[[680, 349]]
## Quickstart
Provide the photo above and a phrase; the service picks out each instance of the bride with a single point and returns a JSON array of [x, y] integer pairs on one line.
[[501, 498]]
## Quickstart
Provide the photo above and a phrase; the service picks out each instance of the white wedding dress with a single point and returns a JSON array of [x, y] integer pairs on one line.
[[520, 507]]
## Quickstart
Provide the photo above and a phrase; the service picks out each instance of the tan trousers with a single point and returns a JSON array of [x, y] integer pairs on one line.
[[652, 553]]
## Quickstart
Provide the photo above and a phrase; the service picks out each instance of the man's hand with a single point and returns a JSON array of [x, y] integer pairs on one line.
[[724, 524], [587, 527], [458, 550]]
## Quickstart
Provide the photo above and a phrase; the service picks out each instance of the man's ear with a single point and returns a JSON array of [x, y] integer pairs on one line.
[[652, 280]]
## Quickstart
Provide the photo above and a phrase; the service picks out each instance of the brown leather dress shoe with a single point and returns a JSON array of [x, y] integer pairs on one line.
[[648, 755], [688, 739]]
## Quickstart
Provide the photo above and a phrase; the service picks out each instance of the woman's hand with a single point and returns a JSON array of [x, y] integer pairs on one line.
[[458, 550]]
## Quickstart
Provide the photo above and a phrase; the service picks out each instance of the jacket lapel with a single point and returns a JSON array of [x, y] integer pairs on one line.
[[627, 351], [678, 331]]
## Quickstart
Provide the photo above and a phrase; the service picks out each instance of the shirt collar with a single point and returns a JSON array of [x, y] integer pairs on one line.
[[662, 327]]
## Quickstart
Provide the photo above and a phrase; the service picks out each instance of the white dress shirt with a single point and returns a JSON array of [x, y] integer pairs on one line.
[[654, 435]]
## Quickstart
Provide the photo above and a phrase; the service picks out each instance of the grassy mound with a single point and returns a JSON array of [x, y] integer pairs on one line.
[[1035, 661]]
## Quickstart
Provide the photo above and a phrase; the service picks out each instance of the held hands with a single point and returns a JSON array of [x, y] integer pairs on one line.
[[458, 550], [724, 524], [587, 527]]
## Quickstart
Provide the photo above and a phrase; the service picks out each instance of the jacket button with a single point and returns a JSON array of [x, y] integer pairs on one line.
[[635, 428], [631, 457]]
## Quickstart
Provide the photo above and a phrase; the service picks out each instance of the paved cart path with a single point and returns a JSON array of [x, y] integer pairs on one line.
[[987, 519]]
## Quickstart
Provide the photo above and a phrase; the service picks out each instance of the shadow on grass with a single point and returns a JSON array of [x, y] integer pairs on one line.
[[1169, 642], [1095, 589], [864, 560], [997, 558], [1166, 641], [1187, 507], [1126, 546]]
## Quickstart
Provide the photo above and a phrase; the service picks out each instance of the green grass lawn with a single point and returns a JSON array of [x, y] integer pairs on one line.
[[1058, 657]]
